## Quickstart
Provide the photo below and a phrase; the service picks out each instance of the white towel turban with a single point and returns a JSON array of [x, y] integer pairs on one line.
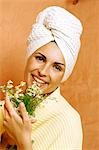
[[57, 24]]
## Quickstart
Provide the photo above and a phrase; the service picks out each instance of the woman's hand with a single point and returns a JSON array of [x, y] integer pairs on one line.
[[18, 128]]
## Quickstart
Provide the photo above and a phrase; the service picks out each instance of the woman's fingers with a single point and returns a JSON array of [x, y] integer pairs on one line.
[[25, 115], [9, 106], [6, 113], [10, 112], [33, 120], [23, 112]]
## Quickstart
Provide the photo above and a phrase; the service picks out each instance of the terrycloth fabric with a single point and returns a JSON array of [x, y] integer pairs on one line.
[[57, 24], [58, 125]]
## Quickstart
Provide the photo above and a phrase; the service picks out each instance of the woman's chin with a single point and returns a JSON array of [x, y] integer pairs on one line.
[[44, 88]]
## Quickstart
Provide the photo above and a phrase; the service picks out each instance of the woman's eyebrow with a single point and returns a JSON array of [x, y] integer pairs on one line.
[[41, 54]]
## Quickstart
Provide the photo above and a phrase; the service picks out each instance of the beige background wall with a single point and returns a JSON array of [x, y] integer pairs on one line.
[[82, 88]]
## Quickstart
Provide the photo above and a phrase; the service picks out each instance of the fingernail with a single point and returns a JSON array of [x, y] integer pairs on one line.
[[22, 104]]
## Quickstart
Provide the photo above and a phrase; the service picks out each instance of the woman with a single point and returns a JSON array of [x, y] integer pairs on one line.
[[53, 47]]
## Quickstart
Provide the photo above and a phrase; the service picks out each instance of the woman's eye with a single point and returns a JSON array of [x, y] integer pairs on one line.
[[39, 58], [57, 67]]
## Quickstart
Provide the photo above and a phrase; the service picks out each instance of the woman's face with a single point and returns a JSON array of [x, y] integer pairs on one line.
[[45, 67]]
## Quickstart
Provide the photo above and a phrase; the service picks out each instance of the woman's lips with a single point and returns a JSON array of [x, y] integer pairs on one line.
[[38, 81]]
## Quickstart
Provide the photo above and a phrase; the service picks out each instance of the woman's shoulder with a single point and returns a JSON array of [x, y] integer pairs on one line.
[[68, 108]]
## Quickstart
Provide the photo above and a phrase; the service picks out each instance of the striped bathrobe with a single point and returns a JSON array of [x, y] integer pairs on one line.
[[58, 125]]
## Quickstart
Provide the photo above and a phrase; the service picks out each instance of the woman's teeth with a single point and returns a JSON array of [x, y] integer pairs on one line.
[[38, 81]]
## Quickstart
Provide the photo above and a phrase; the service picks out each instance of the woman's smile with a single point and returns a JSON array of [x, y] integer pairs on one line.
[[40, 82]]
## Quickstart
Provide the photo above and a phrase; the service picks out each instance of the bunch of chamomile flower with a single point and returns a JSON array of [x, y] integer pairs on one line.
[[31, 96]]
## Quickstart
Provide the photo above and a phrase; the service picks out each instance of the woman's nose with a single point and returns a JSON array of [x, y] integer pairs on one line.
[[44, 70]]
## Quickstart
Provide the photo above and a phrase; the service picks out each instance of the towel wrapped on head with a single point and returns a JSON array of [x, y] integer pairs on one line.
[[57, 24]]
